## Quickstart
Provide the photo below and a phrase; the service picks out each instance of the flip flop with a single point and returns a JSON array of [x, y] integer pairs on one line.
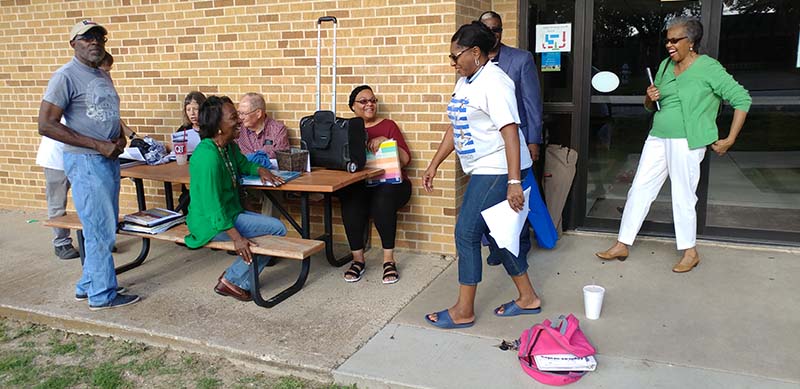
[[512, 309], [443, 320]]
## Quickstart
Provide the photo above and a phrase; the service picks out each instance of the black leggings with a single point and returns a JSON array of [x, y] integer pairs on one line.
[[359, 202]]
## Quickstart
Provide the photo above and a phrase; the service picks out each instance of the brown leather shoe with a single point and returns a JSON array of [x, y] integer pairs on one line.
[[227, 288], [609, 256], [684, 266]]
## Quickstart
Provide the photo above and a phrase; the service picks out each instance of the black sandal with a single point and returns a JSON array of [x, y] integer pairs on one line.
[[355, 271], [390, 270]]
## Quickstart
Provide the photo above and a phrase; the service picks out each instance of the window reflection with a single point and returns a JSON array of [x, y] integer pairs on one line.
[[759, 45], [756, 185]]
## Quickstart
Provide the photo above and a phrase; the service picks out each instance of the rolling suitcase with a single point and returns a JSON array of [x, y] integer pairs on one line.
[[332, 142]]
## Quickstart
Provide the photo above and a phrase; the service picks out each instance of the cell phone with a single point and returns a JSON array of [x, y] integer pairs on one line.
[[650, 76]]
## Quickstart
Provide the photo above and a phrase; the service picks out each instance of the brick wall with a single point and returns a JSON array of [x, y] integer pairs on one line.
[[164, 49]]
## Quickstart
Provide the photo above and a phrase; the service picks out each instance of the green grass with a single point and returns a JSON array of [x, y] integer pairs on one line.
[[59, 348], [130, 349], [64, 377], [28, 330], [108, 376], [208, 383], [33, 356]]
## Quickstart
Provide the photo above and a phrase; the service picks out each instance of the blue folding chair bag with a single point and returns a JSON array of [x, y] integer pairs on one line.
[[538, 216]]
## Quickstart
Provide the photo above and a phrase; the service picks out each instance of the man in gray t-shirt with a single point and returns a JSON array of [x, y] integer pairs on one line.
[[85, 96]]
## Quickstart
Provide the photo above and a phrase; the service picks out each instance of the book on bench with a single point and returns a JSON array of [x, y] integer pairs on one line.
[[152, 217], [156, 229], [256, 180]]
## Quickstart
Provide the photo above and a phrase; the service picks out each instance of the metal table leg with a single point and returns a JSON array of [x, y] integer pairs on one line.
[[168, 195], [145, 250], [328, 236], [255, 286]]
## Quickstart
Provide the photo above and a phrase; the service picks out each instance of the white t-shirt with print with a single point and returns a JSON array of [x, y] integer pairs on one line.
[[479, 108]]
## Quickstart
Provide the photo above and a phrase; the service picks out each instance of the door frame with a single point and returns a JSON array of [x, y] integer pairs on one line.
[[579, 110]]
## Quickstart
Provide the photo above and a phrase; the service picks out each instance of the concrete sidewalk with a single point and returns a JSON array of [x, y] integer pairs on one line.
[[732, 322]]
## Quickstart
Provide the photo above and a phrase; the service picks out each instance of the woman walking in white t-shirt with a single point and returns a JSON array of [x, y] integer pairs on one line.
[[485, 135]]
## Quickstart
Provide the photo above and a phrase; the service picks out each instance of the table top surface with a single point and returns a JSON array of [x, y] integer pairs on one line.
[[319, 180]]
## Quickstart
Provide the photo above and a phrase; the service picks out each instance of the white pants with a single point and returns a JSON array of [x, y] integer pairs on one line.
[[662, 158]]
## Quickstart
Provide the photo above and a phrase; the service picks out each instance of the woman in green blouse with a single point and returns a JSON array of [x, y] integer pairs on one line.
[[689, 88], [215, 212]]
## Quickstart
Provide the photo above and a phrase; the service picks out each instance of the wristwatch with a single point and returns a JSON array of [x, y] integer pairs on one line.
[[514, 182]]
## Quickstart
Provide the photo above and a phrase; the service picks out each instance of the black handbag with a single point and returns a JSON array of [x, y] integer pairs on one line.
[[334, 143]]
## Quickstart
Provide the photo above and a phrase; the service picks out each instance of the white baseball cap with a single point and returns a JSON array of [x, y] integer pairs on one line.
[[83, 26]]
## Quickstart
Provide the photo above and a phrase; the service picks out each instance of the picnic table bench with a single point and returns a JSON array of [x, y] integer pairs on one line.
[[274, 246]]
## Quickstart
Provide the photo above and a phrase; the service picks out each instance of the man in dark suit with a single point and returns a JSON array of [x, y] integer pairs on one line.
[[519, 65]]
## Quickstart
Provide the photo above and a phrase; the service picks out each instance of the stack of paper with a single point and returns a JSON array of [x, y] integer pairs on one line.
[[154, 229], [256, 180], [132, 156], [564, 362], [151, 221]]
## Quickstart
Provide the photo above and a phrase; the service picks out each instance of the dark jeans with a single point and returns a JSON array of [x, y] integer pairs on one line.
[[381, 202], [483, 191]]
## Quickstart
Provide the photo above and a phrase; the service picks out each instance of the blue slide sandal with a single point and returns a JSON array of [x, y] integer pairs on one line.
[[512, 309], [443, 320]]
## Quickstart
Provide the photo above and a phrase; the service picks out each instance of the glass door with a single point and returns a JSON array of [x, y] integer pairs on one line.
[[627, 39], [754, 190], [751, 193]]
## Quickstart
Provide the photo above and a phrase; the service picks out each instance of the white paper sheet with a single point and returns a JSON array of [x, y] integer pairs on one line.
[[132, 153], [505, 224]]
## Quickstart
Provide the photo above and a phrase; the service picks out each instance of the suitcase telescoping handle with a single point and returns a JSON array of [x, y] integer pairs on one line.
[[319, 61]]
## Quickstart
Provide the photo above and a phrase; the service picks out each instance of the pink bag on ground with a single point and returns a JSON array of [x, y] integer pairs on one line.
[[563, 337]]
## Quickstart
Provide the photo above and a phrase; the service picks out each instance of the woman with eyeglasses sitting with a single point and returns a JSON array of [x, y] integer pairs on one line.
[[686, 94], [191, 119], [382, 201], [215, 212], [485, 134]]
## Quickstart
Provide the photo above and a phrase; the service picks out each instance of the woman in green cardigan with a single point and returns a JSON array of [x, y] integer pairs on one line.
[[215, 212], [689, 88]]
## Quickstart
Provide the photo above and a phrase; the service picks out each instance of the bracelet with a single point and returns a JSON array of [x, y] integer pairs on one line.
[[514, 182]]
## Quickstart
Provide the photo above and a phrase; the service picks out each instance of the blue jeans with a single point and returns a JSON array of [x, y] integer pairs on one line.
[[483, 191], [250, 224], [95, 193]]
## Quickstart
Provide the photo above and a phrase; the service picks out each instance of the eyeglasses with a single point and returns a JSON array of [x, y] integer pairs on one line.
[[496, 30], [365, 101], [675, 41], [95, 36], [454, 57], [242, 114]]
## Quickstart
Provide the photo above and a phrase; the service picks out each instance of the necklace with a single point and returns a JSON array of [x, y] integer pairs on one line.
[[229, 165]]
